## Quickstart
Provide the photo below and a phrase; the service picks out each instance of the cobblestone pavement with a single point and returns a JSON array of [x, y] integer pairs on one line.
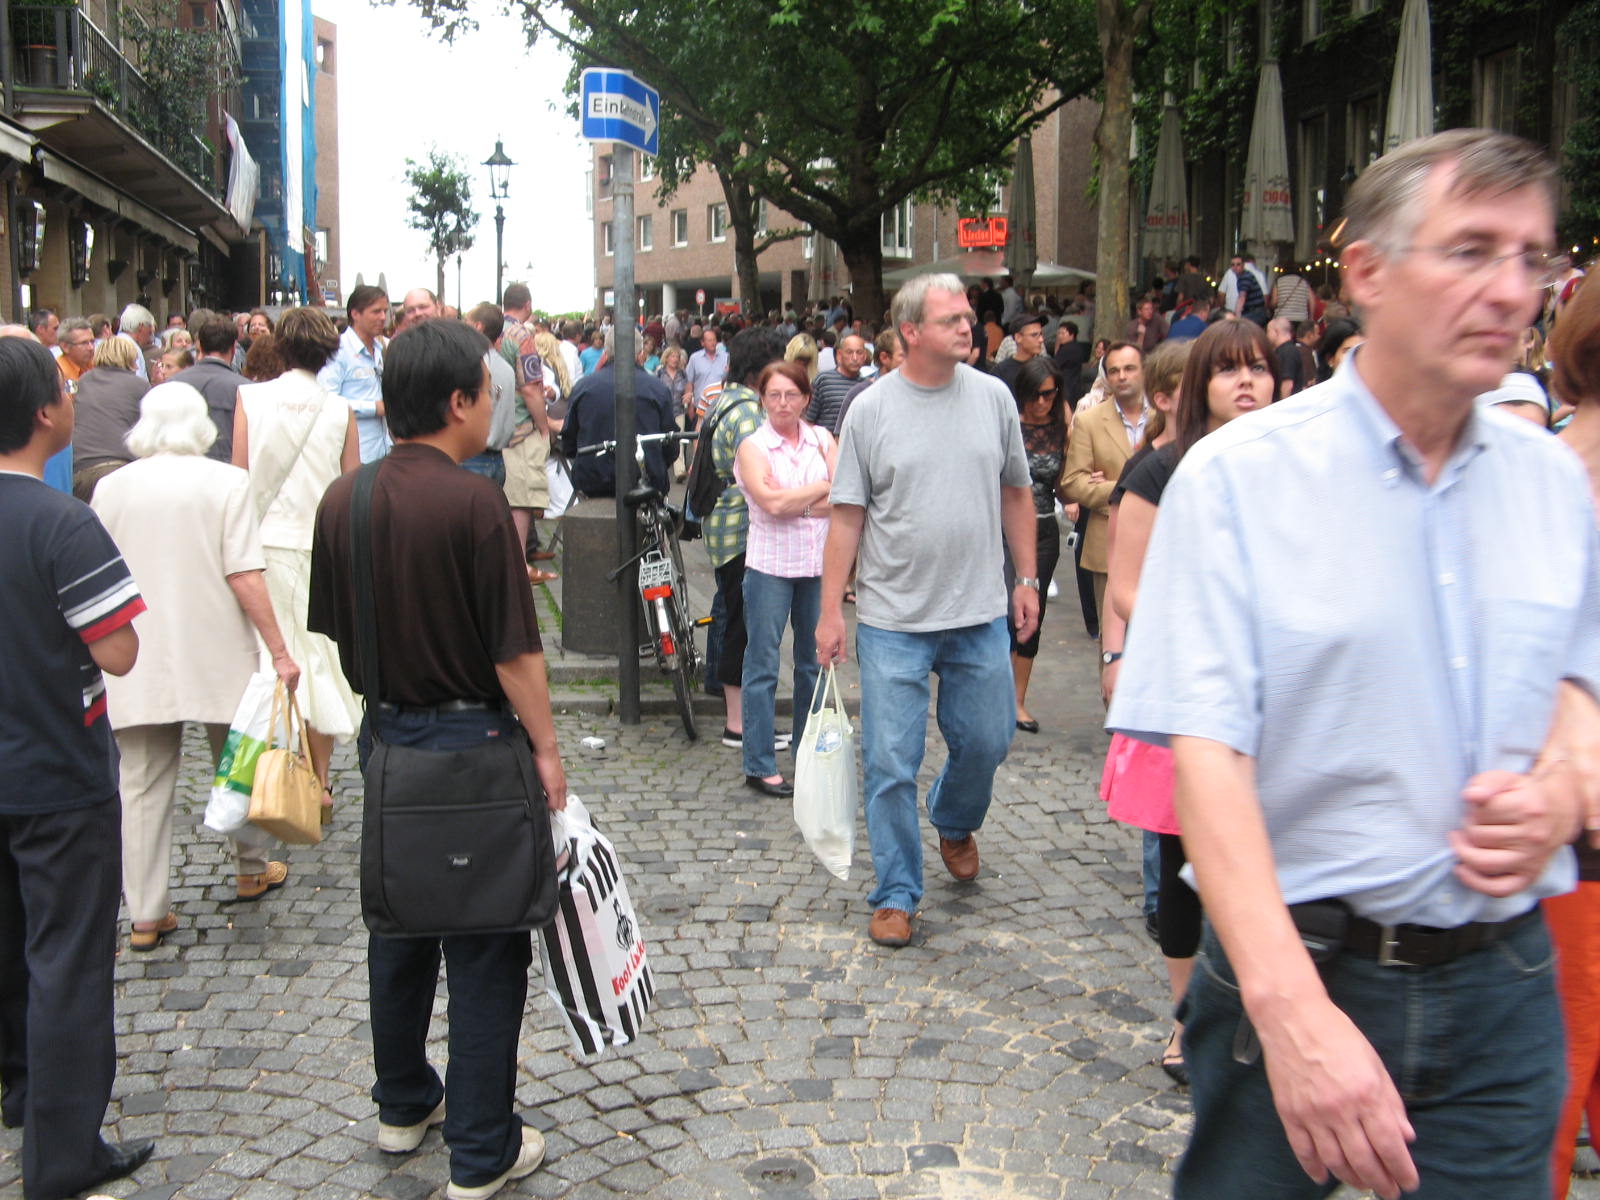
[[1009, 1052]]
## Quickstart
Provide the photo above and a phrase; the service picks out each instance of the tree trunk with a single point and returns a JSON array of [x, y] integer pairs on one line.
[[743, 209], [862, 251], [1113, 135], [439, 280]]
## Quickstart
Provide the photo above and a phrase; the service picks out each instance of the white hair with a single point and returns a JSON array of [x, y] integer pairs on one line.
[[172, 420], [134, 316], [910, 301]]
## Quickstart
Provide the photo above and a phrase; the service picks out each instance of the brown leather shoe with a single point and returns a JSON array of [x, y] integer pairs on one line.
[[890, 927], [253, 887], [149, 939], [960, 858]]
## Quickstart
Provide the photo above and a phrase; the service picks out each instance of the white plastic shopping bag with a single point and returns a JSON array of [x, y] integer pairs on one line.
[[593, 953], [559, 481], [249, 734], [825, 780]]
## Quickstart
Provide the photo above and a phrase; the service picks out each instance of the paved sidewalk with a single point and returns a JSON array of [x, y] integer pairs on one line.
[[1009, 1052]]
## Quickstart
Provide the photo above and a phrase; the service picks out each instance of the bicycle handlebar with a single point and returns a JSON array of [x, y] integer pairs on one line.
[[610, 444]]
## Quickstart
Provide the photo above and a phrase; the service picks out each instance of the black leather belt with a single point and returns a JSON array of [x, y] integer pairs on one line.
[[446, 706], [1423, 945]]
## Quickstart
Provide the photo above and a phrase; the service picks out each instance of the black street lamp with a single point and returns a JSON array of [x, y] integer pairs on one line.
[[499, 184]]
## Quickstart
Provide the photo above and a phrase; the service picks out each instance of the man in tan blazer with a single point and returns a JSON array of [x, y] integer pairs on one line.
[[1102, 439]]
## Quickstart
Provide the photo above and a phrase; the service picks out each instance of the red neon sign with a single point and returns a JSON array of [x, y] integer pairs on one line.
[[982, 233]]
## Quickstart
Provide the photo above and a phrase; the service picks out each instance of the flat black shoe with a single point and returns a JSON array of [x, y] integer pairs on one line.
[[784, 788], [1028, 726], [124, 1159]]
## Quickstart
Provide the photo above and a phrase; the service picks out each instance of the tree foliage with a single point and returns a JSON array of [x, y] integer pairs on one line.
[[184, 69], [440, 206], [833, 114], [1581, 30]]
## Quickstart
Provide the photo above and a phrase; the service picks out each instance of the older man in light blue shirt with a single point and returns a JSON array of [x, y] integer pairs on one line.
[[1358, 611], [355, 372]]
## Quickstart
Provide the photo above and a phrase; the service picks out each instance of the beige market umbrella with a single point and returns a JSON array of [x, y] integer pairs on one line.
[[1022, 251], [1268, 216], [1166, 218], [824, 278], [1411, 89]]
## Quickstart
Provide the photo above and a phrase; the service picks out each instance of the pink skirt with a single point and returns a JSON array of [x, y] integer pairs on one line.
[[1137, 785]]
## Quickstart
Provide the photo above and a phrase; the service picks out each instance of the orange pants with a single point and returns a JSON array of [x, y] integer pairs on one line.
[[1574, 921]]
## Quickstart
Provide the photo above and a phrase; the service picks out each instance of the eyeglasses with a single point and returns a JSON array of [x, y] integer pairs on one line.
[[953, 321], [1046, 392], [783, 396], [1472, 260]]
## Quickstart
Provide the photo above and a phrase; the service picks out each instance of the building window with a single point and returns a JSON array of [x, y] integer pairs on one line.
[[680, 227], [197, 18], [325, 56], [608, 238], [1497, 91], [602, 177], [808, 244], [1366, 132], [997, 202], [895, 227], [646, 237], [716, 222], [1311, 186], [761, 218], [647, 168], [1310, 20]]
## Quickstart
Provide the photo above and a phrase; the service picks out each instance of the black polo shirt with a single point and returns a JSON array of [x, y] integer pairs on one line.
[[451, 585]]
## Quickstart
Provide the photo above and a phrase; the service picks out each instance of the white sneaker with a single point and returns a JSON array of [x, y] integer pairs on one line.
[[735, 741], [403, 1139], [527, 1162]]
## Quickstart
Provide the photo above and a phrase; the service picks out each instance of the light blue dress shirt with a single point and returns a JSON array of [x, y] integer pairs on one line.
[[1371, 640], [356, 374]]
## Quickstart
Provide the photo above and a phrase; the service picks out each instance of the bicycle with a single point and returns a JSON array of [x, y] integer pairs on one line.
[[663, 590]]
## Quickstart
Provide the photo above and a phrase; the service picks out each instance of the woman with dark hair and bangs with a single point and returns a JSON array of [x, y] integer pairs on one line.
[[1230, 371]]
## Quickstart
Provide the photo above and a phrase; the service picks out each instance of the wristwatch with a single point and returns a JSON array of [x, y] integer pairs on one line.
[[1109, 656], [1027, 581]]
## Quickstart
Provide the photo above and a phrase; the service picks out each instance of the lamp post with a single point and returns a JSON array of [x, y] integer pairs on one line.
[[499, 181]]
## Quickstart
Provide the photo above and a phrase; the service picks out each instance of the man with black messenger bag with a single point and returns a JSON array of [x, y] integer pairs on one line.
[[457, 750]]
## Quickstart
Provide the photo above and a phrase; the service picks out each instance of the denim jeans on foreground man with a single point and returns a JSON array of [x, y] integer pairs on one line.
[[1475, 1048], [488, 984], [977, 714], [769, 601]]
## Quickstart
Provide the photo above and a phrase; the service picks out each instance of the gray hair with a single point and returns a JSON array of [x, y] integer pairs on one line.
[[172, 420], [134, 317], [73, 325], [1385, 203], [911, 300]]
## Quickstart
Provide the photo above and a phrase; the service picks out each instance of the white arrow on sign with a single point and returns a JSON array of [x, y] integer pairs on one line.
[[602, 105]]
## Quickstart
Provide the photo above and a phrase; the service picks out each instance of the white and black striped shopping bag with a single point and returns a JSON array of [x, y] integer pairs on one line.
[[595, 967]]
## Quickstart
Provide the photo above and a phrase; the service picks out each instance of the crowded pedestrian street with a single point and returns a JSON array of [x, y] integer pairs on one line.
[[1010, 1052]]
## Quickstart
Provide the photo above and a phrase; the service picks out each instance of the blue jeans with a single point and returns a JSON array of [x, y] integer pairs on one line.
[[488, 976], [769, 601], [490, 464], [1150, 870], [1475, 1048], [977, 715]]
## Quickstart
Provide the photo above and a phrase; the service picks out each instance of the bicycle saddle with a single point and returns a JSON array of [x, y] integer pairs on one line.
[[641, 495]]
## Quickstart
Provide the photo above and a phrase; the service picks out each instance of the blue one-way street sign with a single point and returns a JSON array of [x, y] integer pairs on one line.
[[618, 107]]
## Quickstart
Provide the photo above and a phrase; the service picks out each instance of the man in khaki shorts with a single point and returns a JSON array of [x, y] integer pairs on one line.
[[527, 488]]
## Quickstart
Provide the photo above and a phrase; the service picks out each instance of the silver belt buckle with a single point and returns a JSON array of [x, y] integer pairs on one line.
[[1388, 945]]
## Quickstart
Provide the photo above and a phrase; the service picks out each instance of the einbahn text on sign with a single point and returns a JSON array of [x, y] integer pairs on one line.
[[616, 106]]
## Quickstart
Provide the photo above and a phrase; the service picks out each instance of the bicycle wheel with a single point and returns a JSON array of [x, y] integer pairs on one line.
[[683, 674], [680, 597]]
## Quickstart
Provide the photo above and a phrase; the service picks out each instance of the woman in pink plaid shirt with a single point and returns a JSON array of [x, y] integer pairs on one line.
[[785, 469]]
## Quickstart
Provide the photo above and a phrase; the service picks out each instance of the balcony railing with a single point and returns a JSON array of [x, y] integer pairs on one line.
[[63, 50]]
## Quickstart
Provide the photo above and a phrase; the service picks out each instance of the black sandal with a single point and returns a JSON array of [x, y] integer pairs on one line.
[[1172, 1061]]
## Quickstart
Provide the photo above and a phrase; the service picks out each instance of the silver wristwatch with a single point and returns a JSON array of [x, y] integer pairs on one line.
[[1027, 581]]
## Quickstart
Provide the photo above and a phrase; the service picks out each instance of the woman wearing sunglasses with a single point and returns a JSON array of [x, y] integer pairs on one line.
[[1043, 409]]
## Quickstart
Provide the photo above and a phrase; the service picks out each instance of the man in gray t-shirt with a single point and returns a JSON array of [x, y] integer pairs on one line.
[[931, 469]]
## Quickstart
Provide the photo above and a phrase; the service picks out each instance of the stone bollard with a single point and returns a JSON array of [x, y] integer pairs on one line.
[[588, 599]]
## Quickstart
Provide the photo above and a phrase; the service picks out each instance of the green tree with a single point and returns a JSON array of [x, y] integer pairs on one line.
[[834, 115], [185, 71], [440, 206]]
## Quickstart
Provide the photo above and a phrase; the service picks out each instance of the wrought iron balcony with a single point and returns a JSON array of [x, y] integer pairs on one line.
[[60, 49]]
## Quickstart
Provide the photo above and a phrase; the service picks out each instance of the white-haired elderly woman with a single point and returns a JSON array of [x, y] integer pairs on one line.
[[187, 529]]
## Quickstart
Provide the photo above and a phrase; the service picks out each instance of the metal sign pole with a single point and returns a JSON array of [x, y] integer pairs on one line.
[[627, 470]]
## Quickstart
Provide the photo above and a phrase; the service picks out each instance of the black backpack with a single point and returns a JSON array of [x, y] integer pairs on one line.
[[704, 486]]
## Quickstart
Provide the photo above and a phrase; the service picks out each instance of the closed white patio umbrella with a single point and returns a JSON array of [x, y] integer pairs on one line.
[[1166, 218], [1268, 218], [1411, 90]]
